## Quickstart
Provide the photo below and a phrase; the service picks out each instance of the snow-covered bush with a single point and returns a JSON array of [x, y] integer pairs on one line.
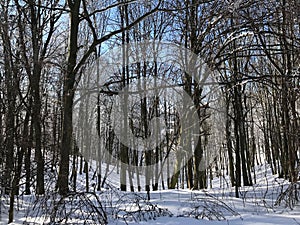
[[207, 207], [83, 207]]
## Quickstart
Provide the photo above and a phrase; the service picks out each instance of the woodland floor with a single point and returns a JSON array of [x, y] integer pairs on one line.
[[217, 205]]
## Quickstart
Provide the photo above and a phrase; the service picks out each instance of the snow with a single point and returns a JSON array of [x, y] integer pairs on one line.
[[258, 220], [256, 205]]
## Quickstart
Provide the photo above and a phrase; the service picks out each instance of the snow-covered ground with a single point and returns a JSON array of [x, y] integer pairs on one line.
[[217, 205]]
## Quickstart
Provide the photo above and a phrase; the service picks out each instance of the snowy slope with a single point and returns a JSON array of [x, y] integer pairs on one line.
[[256, 205]]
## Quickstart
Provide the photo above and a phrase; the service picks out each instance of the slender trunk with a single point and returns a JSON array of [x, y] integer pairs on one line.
[[229, 144], [123, 148], [68, 96], [28, 162], [9, 80]]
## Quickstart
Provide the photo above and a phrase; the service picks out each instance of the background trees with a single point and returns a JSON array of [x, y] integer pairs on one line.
[[48, 46]]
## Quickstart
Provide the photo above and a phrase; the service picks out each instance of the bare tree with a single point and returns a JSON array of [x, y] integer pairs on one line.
[[73, 66]]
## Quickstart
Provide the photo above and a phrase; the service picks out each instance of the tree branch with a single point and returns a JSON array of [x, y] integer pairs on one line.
[[108, 36]]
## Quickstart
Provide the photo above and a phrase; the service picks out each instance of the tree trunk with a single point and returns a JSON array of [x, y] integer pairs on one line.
[[68, 96], [10, 88]]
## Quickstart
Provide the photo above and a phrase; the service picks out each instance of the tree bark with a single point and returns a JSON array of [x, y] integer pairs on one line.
[[68, 96]]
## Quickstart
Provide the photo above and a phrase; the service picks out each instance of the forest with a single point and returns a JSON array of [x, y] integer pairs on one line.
[[106, 106]]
